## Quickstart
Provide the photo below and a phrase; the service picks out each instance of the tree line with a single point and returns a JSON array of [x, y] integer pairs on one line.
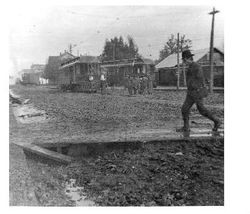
[[117, 48]]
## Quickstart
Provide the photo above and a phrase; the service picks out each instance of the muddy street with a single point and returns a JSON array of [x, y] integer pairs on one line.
[[158, 174]]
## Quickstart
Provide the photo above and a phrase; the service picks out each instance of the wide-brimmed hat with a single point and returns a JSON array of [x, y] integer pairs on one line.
[[187, 54]]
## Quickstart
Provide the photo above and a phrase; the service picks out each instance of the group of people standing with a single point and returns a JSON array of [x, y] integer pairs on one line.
[[134, 84], [102, 83], [139, 85]]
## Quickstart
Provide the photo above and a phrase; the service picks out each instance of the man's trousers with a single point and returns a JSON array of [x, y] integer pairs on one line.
[[188, 103]]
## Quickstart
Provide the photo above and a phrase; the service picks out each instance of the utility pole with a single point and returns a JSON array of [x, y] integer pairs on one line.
[[211, 85], [184, 74], [114, 52], [178, 64], [70, 48], [114, 70]]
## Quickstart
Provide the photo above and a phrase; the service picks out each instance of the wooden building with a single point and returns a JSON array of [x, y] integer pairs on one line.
[[32, 75], [53, 65]]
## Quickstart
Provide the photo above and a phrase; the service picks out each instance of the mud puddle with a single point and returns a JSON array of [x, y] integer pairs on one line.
[[29, 114], [76, 194]]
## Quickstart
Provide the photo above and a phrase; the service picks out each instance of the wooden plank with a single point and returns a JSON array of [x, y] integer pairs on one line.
[[153, 138], [46, 153], [59, 149]]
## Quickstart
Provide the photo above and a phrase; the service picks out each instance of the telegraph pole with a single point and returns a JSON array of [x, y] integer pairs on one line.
[[211, 85], [178, 64], [184, 74], [70, 48], [114, 51]]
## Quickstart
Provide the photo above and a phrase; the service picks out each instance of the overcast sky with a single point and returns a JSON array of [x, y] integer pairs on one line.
[[36, 33]]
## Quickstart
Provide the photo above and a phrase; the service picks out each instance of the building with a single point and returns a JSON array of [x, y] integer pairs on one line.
[[166, 70], [37, 68], [34, 75], [52, 67]]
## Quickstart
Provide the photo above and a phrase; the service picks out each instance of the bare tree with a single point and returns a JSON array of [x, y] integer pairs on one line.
[[171, 46]]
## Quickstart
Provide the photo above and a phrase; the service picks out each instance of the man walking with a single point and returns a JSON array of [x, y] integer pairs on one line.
[[196, 91]]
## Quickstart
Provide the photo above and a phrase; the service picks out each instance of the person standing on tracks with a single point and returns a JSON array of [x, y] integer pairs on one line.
[[129, 85], [91, 78], [103, 83], [144, 85], [141, 86], [135, 84], [149, 84], [196, 91]]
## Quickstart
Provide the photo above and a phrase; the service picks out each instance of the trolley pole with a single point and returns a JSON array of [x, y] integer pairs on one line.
[[211, 85], [178, 64]]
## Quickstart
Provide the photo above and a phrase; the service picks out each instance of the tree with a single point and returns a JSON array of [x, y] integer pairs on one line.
[[171, 46], [132, 48], [116, 49]]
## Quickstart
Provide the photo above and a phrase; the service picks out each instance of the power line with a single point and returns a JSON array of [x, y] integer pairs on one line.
[[127, 17]]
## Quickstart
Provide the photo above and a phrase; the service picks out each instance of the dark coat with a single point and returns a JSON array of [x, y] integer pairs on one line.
[[195, 79]]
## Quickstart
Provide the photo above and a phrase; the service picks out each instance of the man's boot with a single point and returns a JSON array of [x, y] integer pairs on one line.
[[217, 125], [216, 120], [186, 127]]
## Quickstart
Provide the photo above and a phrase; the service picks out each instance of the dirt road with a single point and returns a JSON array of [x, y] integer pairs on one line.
[[78, 114], [162, 175]]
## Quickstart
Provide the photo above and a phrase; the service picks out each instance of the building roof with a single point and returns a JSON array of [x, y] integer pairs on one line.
[[26, 71], [89, 59], [37, 66], [80, 59], [171, 60], [220, 49], [148, 61], [54, 59], [127, 62]]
